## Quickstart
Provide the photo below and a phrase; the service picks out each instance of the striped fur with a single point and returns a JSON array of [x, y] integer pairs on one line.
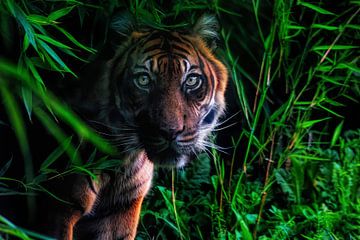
[[159, 97]]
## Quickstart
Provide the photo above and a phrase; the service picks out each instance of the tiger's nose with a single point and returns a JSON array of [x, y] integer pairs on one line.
[[170, 133]]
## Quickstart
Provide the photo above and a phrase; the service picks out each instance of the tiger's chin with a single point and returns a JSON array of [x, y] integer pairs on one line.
[[169, 158]]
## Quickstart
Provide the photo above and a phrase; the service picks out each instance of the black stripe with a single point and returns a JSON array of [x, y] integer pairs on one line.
[[187, 42], [193, 67], [152, 48], [154, 55], [180, 55], [140, 67], [134, 187], [176, 47], [181, 40], [186, 70], [151, 65], [211, 75]]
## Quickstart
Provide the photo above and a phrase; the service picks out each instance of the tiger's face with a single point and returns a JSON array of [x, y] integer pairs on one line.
[[168, 93]]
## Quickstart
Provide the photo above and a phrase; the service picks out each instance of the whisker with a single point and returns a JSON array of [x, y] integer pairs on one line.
[[137, 147], [195, 153], [225, 127], [227, 119], [123, 127], [209, 153], [214, 146]]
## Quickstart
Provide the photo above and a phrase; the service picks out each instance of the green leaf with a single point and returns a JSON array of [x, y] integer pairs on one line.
[[330, 111], [56, 57], [353, 26], [351, 67], [26, 43], [245, 230], [335, 47], [52, 41], [37, 19], [215, 182], [88, 172], [326, 27], [308, 157], [17, 122], [73, 40], [28, 100], [336, 134], [310, 123], [315, 8], [33, 70], [59, 13], [21, 18], [71, 53]]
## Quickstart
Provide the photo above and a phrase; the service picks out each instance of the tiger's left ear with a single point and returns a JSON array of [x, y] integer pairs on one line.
[[207, 27]]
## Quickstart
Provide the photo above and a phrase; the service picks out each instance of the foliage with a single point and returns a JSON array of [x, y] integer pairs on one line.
[[292, 171]]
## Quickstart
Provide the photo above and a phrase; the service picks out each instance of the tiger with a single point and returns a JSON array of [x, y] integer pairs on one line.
[[160, 96]]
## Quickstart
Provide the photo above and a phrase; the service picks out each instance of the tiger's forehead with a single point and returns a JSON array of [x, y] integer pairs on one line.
[[160, 43], [163, 51]]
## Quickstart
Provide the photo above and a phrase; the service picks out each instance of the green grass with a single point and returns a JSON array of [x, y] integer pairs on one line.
[[293, 171]]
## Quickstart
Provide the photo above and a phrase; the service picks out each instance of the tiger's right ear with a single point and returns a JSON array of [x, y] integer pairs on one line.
[[123, 24], [207, 27]]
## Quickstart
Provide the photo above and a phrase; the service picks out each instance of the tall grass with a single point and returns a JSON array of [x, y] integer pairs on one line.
[[292, 171]]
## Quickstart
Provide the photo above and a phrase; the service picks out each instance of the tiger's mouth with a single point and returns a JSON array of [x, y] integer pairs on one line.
[[170, 152]]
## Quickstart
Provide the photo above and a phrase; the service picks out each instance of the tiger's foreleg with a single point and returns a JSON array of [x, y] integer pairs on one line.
[[119, 224], [83, 197]]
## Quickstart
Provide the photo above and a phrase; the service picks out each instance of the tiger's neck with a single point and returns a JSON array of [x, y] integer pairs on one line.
[[134, 177]]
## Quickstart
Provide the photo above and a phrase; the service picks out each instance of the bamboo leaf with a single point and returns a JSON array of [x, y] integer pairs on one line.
[[52, 41], [38, 19], [16, 120], [33, 70], [351, 67], [61, 110], [73, 40], [82, 169], [310, 123], [308, 157], [26, 43], [330, 111], [60, 13], [336, 134], [326, 27], [245, 230], [28, 100], [315, 8], [21, 18], [335, 47], [56, 57]]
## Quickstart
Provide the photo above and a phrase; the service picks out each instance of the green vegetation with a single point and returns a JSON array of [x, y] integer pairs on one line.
[[293, 169]]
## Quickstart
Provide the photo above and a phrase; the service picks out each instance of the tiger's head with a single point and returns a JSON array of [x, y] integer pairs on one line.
[[163, 91]]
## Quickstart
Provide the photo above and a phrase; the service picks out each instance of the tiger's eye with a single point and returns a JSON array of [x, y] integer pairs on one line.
[[142, 82], [193, 82]]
